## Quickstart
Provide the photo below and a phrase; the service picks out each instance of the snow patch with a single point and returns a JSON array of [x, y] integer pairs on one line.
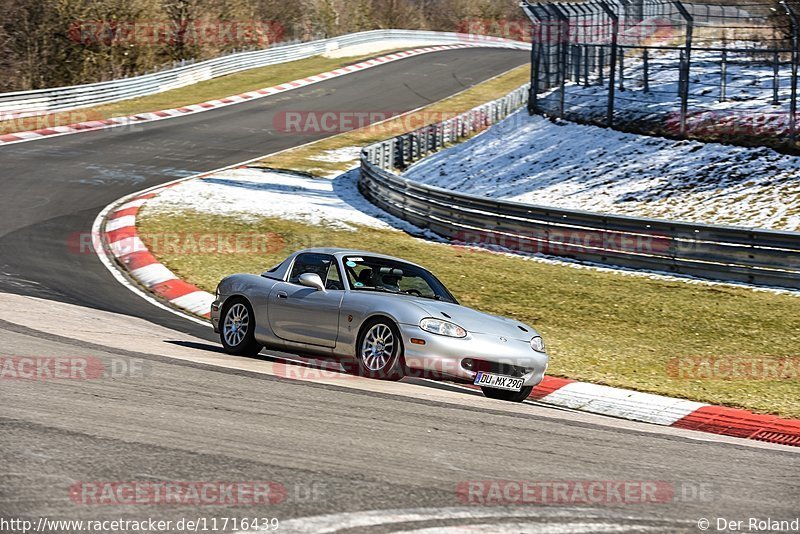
[[534, 160], [252, 193]]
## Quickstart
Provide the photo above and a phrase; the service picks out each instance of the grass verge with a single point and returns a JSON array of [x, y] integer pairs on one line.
[[216, 88]]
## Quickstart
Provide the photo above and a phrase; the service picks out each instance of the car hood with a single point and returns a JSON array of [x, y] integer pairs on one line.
[[475, 321]]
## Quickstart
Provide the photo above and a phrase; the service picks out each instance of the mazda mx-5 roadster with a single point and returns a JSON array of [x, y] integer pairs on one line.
[[381, 317]]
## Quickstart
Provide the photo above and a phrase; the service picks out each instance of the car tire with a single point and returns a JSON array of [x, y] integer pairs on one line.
[[510, 396], [372, 360], [237, 328]]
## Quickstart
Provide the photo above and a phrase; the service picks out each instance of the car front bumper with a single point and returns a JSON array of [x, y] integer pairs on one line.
[[444, 357], [216, 306]]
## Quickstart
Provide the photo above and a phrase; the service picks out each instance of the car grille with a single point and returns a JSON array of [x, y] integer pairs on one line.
[[499, 368]]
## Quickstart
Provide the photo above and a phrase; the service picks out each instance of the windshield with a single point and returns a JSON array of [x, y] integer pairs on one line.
[[367, 273]]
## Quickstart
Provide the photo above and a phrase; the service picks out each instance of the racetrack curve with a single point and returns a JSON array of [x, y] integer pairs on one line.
[[199, 415], [53, 188]]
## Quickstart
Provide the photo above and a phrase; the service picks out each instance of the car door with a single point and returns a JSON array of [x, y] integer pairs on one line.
[[301, 314]]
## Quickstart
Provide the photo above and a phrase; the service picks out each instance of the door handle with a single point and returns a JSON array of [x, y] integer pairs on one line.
[[283, 295]]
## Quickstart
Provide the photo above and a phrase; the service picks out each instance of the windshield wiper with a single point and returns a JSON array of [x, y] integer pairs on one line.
[[384, 290], [432, 297]]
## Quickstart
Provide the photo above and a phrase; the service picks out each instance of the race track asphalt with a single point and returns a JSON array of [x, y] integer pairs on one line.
[[369, 454]]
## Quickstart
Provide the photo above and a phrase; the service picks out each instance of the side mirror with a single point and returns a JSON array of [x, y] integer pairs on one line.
[[311, 280]]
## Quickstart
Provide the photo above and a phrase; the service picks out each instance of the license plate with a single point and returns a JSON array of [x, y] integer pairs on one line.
[[491, 380]]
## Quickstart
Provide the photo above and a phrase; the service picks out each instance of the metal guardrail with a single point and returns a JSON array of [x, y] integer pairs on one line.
[[762, 257], [78, 96]]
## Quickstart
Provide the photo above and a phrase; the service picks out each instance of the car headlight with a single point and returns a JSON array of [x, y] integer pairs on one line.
[[537, 344], [443, 328]]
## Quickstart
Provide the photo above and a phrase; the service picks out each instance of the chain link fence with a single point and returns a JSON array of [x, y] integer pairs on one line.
[[710, 71]]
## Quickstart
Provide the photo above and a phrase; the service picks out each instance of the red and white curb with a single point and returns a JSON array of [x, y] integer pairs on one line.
[[141, 118], [667, 411], [122, 241]]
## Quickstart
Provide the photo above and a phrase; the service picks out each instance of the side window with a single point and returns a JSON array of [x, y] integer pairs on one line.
[[319, 264]]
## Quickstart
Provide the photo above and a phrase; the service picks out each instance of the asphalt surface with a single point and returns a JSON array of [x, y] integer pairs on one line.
[[373, 456], [345, 446]]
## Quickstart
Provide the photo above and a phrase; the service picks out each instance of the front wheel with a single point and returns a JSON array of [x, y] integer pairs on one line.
[[380, 351], [238, 329], [510, 396]]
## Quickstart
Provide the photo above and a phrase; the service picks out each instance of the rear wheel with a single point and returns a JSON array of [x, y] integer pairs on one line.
[[238, 329], [380, 350], [511, 396]]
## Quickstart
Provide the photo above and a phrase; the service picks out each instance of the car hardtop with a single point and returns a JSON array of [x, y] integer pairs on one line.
[[280, 271]]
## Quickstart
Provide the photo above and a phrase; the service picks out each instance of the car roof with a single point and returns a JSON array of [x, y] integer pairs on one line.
[[280, 271], [339, 252]]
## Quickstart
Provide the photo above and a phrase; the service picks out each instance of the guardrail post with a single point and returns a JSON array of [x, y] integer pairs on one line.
[[793, 19], [685, 64], [400, 156], [612, 62]]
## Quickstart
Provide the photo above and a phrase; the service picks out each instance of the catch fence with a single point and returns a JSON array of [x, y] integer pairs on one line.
[[725, 72]]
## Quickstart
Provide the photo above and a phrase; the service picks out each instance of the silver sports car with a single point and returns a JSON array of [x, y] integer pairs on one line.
[[381, 317]]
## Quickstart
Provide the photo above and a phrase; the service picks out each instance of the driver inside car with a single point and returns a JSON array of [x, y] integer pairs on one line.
[[390, 280]]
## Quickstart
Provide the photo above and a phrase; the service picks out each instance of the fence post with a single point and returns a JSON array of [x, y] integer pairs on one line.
[[563, 50], [536, 53], [723, 77], [775, 80], [646, 70], [581, 40], [685, 64], [795, 58], [612, 64]]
